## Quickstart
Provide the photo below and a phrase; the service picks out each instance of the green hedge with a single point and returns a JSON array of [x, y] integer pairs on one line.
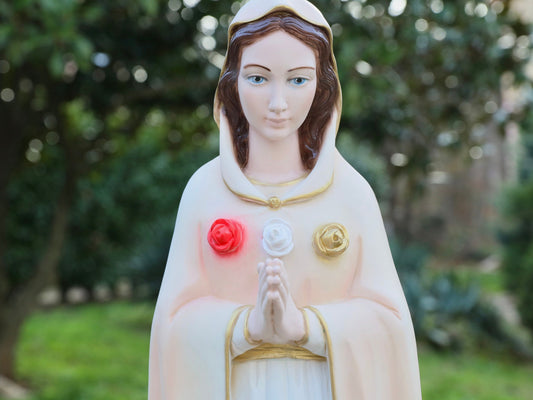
[[516, 234]]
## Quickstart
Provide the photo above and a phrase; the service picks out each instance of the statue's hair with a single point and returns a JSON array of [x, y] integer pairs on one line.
[[311, 132]]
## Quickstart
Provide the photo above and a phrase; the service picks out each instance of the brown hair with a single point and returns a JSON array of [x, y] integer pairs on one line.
[[311, 132]]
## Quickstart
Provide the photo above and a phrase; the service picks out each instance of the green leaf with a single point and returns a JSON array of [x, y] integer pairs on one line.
[[56, 65], [92, 14], [58, 6], [83, 49], [5, 33], [150, 7]]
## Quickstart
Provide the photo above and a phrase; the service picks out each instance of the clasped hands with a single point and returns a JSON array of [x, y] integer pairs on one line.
[[275, 318]]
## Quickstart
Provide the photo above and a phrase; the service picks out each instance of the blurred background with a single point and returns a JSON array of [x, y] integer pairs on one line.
[[106, 111]]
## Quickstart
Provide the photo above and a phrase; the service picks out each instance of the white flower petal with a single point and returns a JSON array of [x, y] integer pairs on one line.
[[277, 238]]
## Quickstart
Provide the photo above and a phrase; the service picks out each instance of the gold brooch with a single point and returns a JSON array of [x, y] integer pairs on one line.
[[274, 202], [331, 240]]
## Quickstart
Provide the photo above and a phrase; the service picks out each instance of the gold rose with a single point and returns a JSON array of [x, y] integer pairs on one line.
[[330, 240]]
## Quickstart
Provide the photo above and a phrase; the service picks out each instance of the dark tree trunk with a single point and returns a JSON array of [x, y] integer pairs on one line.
[[10, 324], [21, 301], [11, 141]]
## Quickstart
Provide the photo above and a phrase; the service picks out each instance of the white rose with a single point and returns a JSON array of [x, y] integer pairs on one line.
[[277, 238]]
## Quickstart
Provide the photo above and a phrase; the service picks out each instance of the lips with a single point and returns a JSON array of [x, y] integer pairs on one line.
[[277, 121]]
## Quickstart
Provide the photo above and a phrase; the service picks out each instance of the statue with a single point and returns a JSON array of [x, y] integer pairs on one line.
[[279, 282]]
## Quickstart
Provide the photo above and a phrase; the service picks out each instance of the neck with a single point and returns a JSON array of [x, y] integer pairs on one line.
[[274, 161]]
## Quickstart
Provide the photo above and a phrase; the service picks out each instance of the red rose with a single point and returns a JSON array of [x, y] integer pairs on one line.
[[225, 236]]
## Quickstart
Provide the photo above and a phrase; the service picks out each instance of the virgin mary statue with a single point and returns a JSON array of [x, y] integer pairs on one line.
[[280, 283]]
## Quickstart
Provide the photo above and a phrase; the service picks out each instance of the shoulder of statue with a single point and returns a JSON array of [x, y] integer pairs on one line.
[[348, 179], [201, 184], [204, 175]]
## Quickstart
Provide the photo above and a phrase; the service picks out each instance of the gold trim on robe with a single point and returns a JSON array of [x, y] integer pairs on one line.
[[329, 348], [227, 350], [269, 351], [275, 202]]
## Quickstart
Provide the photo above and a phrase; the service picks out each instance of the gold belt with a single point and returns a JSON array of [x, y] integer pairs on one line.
[[268, 350]]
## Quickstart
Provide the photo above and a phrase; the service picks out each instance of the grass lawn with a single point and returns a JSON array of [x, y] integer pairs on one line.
[[93, 352], [100, 352], [473, 377]]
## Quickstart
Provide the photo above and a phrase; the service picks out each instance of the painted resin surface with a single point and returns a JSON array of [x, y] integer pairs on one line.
[[280, 282]]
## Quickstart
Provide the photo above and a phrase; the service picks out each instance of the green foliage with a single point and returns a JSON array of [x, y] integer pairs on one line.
[[516, 234], [121, 211], [112, 230], [146, 263], [32, 196], [414, 78], [448, 310], [490, 281]]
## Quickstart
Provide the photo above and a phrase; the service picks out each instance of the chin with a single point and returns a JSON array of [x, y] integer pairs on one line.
[[277, 135]]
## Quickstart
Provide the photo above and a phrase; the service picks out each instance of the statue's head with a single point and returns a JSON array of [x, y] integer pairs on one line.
[[326, 97]]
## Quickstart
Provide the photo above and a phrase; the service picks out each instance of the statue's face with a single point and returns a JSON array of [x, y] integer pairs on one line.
[[276, 85]]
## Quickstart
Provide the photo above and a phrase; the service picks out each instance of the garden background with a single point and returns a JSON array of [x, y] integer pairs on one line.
[[106, 111]]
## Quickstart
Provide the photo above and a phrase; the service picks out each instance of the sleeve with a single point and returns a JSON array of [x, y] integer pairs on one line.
[[369, 336], [189, 325]]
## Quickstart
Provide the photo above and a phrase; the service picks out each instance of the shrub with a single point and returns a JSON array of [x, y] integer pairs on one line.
[[516, 235], [449, 311]]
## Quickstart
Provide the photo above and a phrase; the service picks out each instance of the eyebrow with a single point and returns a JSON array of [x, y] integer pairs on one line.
[[256, 65], [294, 69], [262, 66]]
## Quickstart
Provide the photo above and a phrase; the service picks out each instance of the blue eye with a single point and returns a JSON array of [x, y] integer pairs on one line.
[[298, 81], [256, 79]]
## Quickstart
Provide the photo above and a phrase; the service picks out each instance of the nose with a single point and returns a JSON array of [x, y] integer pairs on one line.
[[278, 102]]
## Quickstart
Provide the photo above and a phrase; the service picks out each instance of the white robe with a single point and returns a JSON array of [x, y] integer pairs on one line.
[[370, 342]]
